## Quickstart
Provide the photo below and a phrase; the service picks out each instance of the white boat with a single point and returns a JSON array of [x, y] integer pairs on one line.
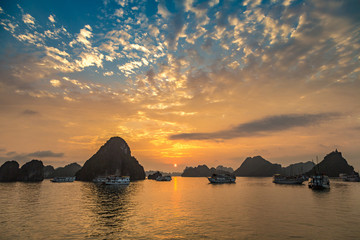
[[319, 182], [100, 180], [350, 177], [116, 180], [280, 179], [222, 178], [163, 178], [63, 179]]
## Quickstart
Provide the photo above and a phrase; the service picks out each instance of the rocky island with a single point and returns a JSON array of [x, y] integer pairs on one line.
[[205, 171], [332, 165], [30, 172], [257, 167], [113, 158]]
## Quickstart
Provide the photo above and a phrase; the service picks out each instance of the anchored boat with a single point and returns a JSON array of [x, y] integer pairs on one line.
[[354, 177], [280, 179], [222, 178], [319, 182], [163, 178], [116, 180], [112, 180]]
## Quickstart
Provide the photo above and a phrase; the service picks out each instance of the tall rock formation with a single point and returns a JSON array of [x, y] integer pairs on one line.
[[226, 169], [113, 158], [199, 171], [9, 171], [204, 171], [332, 165], [257, 167], [49, 171], [32, 171], [155, 175]]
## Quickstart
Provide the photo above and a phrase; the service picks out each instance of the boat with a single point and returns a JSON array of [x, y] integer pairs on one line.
[[281, 179], [99, 180], [117, 180], [163, 178], [63, 179], [354, 177], [222, 178], [319, 182]]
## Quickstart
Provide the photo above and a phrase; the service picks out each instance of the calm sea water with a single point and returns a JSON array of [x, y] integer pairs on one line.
[[185, 208]]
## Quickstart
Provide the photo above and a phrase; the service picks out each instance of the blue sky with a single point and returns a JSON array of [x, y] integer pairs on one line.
[[164, 74]]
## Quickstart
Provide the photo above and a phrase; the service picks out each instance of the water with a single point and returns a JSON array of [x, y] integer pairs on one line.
[[185, 208]]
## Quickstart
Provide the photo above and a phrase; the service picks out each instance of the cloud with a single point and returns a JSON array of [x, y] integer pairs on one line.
[[28, 19], [90, 59], [45, 154], [55, 83], [29, 112], [110, 73], [51, 18], [119, 12], [262, 126], [25, 157], [83, 37]]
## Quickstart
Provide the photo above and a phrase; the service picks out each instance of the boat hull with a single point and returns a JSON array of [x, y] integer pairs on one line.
[[219, 181], [289, 182], [62, 179]]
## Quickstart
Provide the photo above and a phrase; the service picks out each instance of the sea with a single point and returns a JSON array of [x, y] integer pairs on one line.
[[184, 208]]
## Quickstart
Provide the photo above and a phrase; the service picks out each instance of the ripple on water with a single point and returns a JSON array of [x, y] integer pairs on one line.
[[185, 208]]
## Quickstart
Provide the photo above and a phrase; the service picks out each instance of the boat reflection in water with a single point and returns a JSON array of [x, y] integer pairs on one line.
[[109, 208], [222, 178]]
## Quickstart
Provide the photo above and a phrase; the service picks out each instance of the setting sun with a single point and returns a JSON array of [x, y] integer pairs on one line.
[[175, 165]]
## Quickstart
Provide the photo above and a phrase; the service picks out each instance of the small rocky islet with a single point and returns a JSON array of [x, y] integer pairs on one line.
[[114, 158]]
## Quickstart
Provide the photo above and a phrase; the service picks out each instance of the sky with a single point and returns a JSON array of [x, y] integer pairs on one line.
[[183, 82]]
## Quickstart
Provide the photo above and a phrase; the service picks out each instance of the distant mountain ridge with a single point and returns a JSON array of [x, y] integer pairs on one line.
[[67, 171], [332, 165]]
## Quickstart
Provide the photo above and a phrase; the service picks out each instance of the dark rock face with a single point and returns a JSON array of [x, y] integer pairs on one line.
[[199, 171], [9, 171], [297, 168], [67, 171], [257, 167], [332, 165], [204, 171], [226, 169], [49, 171], [155, 175], [113, 158], [32, 171]]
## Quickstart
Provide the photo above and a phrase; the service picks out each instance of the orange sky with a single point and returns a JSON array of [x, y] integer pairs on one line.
[[223, 84]]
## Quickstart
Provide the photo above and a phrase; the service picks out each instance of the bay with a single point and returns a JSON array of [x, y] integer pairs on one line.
[[185, 208]]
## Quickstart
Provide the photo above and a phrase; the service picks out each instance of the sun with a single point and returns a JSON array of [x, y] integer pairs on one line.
[[175, 165]]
